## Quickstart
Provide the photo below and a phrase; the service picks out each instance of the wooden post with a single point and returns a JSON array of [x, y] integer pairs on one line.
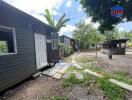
[[96, 50], [120, 49]]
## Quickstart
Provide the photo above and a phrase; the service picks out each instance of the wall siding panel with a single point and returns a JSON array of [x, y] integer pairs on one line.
[[15, 68]]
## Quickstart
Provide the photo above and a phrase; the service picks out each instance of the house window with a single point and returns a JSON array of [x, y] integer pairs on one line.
[[93, 45], [66, 42], [7, 41], [54, 44]]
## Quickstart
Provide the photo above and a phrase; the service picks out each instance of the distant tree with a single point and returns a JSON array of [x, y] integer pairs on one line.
[[86, 34], [112, 34], [127, 35], [100, 11], [115, 34], [61, 22]]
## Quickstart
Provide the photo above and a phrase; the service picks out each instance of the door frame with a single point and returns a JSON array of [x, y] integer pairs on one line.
[[36, 57]]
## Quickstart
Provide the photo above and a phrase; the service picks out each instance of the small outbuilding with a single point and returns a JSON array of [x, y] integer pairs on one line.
[[68, 43], [24, 47], [65, 45], [75, 44], [117, 47]]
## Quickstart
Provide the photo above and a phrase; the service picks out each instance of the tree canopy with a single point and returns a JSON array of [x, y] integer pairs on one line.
[[116, 34], [86, 34], [100, 11], [61, 22]]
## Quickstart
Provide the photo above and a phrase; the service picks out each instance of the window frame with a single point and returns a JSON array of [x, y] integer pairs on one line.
[[12, 30], [54, 45]]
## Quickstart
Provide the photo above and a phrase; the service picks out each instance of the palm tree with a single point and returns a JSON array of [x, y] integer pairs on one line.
[[61, 22]]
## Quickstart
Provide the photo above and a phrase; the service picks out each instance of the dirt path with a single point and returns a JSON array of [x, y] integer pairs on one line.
[[119, 62], [43, 88], [32, 89]]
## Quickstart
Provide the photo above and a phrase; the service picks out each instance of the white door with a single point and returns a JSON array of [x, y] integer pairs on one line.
[[41, 52]]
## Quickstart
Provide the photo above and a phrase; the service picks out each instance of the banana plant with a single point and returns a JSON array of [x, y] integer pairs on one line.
[[61, 22]]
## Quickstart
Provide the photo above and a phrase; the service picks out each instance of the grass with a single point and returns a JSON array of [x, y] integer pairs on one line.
[[81, 59], [72, 68], [59, 98], [89, 82], [122, 76], [118, 75], [113, 91], [88, 79], [68, 59], [55, 98], [71, 80]]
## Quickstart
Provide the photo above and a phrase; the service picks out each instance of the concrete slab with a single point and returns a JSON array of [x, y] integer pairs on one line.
[[122, 84]]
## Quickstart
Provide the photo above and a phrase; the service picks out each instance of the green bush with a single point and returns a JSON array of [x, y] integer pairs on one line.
[[68, 50], [3, 47], [129, 45]]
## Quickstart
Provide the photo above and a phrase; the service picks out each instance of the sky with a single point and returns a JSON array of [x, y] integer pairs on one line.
[[72, 9]]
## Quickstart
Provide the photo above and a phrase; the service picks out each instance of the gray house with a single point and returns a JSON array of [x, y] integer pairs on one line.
[[23, 45], [66, 41]]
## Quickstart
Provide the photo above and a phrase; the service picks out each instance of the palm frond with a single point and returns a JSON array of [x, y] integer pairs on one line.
[[61, 22], [49, 18]]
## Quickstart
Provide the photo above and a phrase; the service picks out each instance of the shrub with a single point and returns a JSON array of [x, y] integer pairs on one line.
[[68, 50], [129, 45]]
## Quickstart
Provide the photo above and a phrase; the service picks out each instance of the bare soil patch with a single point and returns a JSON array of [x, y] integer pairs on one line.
[[44, 88]]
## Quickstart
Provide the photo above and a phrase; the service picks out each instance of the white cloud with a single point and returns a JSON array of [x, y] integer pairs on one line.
[[68, 28], [54, 12], [36, 6], [80, 8], [89, 21], [69, 3], [121, 29]]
